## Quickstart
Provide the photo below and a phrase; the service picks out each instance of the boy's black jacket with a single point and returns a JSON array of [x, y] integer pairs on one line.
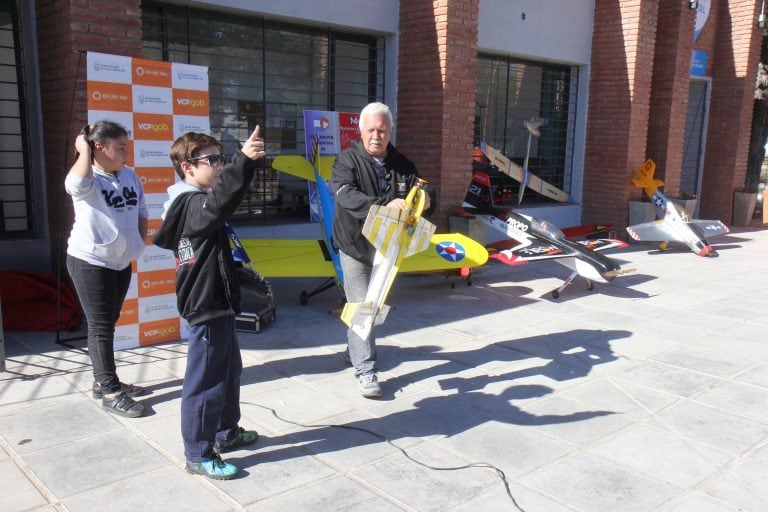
[[206, 277]]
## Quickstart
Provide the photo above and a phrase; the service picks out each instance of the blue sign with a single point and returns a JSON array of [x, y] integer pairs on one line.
[[698, 63]]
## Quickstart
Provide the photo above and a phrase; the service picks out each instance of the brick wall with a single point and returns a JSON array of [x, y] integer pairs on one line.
[[436, 95], [669, 92], [65, 28], [733, 44], [619, 103]]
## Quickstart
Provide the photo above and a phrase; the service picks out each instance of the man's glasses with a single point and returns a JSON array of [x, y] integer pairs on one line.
[[213, 160]]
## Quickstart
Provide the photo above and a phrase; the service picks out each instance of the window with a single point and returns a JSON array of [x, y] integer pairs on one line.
[[15, 189], [267, 73], [511, 91]]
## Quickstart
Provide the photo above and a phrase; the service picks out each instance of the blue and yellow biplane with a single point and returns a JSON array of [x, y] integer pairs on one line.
[[318, 258]]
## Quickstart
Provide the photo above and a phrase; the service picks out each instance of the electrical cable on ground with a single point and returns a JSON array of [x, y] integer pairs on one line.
[[498, 471]]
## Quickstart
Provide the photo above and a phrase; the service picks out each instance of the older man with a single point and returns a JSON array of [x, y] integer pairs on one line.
[[369, 172]]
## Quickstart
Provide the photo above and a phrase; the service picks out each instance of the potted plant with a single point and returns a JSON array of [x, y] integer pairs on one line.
[[688, 201], [641, 210], [743, 206]]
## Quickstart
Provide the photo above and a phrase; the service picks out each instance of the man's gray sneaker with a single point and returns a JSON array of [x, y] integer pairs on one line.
[[368, 385]]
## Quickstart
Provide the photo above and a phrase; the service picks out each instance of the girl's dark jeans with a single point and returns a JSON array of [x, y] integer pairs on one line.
[[101, 292]]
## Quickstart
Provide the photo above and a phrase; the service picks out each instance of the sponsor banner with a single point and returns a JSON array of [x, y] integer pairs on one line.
[[325, 126], [155, 102], [151, 153], [151, 72], [123, 118], [335, 132], [186, 76], [159, 307], [157, 282], [156, 179], [152, 227], [152, 100], [349, 129], [152, 127], [130, 312], [155, 258], [126, 336], [190, 103], [155, 204], [183, 124], [110, 96], [133, 290], [103, 67], [160, 331]]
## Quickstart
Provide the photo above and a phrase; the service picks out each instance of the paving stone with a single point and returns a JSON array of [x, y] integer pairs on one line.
[[89, 463], [17, 493], [594, 483]]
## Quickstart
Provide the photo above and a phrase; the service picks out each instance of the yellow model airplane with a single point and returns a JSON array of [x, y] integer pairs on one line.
[[318, 258], [396, 233]]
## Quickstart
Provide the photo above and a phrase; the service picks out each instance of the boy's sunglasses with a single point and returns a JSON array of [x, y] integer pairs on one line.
[[213, 160]]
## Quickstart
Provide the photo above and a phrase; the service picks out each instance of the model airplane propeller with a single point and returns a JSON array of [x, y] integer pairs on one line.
[[673, 225]]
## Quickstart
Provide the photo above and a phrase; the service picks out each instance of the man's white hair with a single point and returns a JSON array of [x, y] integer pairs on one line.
[[373, 109]]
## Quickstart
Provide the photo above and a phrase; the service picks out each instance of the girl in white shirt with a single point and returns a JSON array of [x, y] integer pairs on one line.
[[109, 231]]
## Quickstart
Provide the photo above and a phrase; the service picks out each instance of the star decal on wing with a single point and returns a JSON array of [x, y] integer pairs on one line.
[[450, 251]]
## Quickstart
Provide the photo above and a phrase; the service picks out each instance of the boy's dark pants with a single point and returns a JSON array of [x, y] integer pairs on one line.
[[210, 395]]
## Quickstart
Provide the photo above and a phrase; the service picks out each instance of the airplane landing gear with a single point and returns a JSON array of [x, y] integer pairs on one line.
[[567, 282]]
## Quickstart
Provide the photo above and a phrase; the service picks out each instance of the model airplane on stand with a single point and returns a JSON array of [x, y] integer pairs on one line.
[[536, 239], [673, 224], [396, 234]]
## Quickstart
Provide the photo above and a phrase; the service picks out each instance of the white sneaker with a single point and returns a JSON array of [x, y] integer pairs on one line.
[[368, 385]]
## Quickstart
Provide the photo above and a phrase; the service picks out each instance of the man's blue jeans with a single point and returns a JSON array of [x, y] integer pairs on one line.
[[357, 275]]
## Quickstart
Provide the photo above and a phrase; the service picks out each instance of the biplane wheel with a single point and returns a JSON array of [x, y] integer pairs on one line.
[[555, 294], [590, 285], [304, 298]]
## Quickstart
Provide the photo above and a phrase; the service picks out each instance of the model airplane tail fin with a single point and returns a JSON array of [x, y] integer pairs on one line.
[[356, 313], [479, 192], [644, 178]]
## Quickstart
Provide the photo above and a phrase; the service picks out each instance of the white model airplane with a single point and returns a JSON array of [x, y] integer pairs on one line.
[[396, 234], [673, 225]]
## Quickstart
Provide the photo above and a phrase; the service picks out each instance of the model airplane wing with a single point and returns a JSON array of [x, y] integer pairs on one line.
[[537, 250], [710, 227], [290, 258], [648, 232], [515, 172], [312, 258], [297, 165], [602, 244], [656, 231]]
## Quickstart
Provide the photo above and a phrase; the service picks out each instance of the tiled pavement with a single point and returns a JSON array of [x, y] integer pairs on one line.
[[649, 393]]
